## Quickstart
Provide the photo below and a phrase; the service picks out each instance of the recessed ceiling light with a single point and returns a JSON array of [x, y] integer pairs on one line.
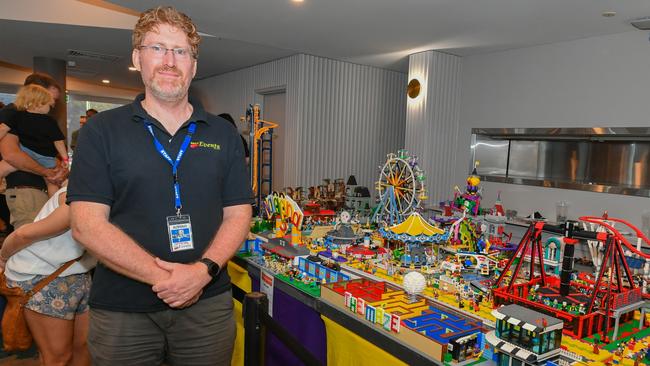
[[106, 81], [298, 1], [132, 68], [609, 14]]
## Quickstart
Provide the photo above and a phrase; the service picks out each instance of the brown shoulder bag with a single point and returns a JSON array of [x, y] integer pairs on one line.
[[15, 333]]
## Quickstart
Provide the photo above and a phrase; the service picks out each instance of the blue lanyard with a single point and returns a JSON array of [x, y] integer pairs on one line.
[[173, 163]]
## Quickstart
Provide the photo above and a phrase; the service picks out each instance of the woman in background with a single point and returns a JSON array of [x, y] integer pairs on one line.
[[57, 315]]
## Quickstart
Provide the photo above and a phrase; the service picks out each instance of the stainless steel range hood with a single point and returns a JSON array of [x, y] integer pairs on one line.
[[607, 159]]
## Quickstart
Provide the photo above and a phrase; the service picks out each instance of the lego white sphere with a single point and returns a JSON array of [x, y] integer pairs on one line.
[[414, 282]]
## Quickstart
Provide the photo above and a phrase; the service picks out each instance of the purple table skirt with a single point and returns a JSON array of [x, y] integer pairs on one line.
[[303, 322]]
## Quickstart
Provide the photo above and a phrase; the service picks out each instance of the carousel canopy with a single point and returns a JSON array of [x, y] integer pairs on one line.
[[414, 229]]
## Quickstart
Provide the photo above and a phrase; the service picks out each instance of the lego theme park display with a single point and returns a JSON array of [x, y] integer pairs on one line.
[[466, 285]]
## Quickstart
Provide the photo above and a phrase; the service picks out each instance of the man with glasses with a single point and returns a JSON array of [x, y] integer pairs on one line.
[[159, 192]]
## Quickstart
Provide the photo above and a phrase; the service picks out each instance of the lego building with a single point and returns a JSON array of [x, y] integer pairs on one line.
[[524, 337]]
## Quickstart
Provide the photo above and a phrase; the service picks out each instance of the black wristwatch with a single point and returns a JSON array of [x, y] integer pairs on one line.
[[213, 267]]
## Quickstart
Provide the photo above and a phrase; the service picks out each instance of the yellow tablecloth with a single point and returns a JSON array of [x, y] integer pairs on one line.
[[239, 277], [347, 348]]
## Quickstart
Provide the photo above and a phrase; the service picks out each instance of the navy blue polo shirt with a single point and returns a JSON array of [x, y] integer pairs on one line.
[[116, 164]]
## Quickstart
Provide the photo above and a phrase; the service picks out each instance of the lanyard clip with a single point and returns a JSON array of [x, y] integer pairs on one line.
[[178, 211]]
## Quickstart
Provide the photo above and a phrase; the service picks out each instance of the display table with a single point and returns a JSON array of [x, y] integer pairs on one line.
[[331, 335]]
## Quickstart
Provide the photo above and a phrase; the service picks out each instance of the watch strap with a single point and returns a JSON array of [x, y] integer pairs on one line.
[[213, 267]]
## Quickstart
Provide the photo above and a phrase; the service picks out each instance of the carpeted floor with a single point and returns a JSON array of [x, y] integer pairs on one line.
[[15, 361], [27, 358]]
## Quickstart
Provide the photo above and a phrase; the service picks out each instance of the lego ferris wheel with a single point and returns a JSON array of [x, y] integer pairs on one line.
[[400, 185]]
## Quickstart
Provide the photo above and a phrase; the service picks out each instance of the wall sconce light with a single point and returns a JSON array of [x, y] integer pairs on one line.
[[413, 89]]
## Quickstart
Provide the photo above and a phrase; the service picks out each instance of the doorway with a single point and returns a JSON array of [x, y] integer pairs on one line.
[[273, 110]]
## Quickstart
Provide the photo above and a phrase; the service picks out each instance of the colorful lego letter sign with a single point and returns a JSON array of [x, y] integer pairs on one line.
[[284, 207], [390, 322]]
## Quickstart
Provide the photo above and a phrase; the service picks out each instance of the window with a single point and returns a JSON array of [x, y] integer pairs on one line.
[[78, 105], [528, 339], [558, 338], [552, 341], [506, 331], [563, 157], [504, 359], [515, 336], [7, 98]]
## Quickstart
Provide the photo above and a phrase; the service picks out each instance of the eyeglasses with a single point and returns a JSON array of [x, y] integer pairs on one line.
[[160, 51]]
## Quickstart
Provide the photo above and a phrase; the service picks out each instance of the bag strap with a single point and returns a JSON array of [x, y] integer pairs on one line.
[[46, 281]]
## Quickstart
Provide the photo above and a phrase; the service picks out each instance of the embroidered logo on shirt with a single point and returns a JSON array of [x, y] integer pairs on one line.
[[195, 144]]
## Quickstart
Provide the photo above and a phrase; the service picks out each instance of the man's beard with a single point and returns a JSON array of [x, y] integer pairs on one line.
[[176, 92]]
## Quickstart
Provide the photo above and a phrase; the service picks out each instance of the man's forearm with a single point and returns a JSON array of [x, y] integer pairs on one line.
[[24, 162], [116, 250], [230, 236], [10, 150]]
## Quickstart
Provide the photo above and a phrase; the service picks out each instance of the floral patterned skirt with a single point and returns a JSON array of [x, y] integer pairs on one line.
[[62, 298]]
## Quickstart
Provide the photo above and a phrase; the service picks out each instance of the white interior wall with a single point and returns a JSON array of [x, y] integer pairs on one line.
[[591, 82], [341, 118]]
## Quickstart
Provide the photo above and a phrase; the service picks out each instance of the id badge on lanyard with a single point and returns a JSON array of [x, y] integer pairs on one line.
[[179, 226], [180, 232]]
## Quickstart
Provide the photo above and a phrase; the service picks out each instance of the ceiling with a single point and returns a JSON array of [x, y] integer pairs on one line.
[[242, 33]]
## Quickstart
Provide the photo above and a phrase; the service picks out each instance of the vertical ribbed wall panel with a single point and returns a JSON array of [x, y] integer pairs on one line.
[[432, 119], [353, 115], [234, 91], [342, 118]]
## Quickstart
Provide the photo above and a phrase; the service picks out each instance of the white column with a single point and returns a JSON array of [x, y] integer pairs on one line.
[[432, 120]]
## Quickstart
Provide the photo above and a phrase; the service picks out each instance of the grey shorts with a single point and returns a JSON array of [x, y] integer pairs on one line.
[[203, 334], [62, 298]]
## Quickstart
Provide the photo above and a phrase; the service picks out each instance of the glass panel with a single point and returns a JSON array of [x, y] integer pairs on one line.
[[516, 362], [545, 342], [6, 98], [523, 159], [610, 160], [504, 359], [537, 344], [506, 331], [552, 340], [77, 107], [515, 336], [492, 154], [558, 338]]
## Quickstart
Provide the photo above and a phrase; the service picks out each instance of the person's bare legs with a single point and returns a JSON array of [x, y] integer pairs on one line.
[[80, 354], [53, 337]]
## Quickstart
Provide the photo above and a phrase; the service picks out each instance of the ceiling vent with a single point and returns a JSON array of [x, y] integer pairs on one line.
[[89, 55], [641, 23]]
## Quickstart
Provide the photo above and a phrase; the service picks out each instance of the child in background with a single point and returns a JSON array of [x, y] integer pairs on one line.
[[38, 133]]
